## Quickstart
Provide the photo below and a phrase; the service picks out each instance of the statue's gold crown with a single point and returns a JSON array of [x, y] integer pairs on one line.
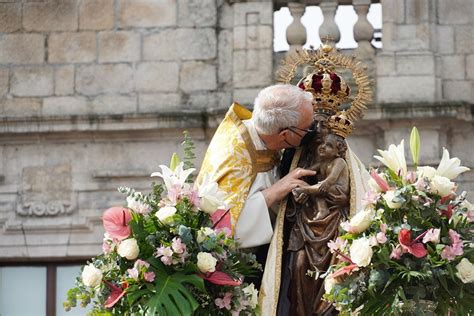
[[329, 89], [340, 125]]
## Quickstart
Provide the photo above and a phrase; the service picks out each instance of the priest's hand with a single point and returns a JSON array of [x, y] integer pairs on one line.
[[282, 187]]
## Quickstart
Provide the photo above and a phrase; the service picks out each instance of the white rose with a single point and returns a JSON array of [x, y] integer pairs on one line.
[[165, 214], [128, 248], [361, 252], [137, 206], [388, 197], [206, 262], [329, 284], [251, 291], [426, 172], [91, 276], [362, 220], [203, 233], [442, 185], [465, 271]]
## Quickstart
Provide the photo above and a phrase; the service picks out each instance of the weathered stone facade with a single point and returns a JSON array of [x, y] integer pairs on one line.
[[96, 94]]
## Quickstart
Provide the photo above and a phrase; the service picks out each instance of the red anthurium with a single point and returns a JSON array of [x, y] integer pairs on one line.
[[115, 222], [414, 247], [448, 212], [344, 270], [221, 220], [383, 185], [220, 278], [116, 293]]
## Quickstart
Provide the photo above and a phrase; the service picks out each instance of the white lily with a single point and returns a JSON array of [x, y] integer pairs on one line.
[[450, 168], [394, 158], [211, 196], [174, 178]]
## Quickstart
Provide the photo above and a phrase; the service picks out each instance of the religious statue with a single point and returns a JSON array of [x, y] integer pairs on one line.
[[308, 219]]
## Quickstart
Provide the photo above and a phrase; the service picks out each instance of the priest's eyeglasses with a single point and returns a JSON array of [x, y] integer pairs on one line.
[[296, 130]]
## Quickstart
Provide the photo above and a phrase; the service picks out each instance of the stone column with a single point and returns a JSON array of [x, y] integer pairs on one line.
[[329, 30], [296, 32], [363, 30]]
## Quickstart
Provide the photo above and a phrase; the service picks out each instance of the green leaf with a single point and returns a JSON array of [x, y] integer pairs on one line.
[[175, 161], [415, 145], [171, 296]]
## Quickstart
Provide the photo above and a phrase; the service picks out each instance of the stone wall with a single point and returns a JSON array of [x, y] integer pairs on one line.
[[95, 94]]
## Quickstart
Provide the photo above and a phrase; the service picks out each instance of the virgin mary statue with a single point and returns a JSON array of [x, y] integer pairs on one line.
[[308, 219]]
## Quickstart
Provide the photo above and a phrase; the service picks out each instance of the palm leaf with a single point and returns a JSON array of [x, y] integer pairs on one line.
[[170, 295]]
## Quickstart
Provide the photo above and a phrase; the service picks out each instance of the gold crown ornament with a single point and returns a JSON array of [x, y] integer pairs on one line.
[[330, 90], [340, 125]]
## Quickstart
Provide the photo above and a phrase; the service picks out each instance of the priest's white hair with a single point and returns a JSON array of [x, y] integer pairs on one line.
[[278, 107]]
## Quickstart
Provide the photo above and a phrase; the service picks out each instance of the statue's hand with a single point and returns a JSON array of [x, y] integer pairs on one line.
[[340, 199], [300, 195], [323, 187]]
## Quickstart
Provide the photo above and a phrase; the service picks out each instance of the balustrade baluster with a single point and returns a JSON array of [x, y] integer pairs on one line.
[[329, 31], [363, 30], [296, 32]]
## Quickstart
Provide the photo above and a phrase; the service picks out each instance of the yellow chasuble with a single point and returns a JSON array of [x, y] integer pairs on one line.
[[232, 160]]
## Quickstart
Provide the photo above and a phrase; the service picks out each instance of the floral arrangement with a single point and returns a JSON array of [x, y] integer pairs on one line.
[[169, 253], [411, 249]]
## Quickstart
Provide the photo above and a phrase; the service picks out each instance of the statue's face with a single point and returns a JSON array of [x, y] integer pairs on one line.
[[320, 125], [328, 149]]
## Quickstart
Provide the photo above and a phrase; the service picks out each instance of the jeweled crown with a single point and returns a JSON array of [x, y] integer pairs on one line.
[[340, 125], [329, 89]]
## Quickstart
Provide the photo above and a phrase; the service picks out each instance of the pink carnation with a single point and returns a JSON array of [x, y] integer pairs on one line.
[[149, 276], [456, 248], [133, 273], [224, 302], [178, 246]]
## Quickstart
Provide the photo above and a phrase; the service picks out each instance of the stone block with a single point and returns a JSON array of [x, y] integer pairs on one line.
[[420, 64], [197, 43], [224, 57], [98, 79], [253, 13], [455, 12], [62, 106], [113, 104], [197, 76], [154, 102], [147, 13], [119, 46], [29, 82], [419, 11], [245, 96], [470, 66], [200, 100], [393, 11], [10, 17], [385, 64], [252, 68], [197, 13], [406, 89], [50, 16], [453, 67], [464, 39], [226, 15], [4, 80], [457, 90], [22, 49], [72, 47], [161, 46], [64, 80], [17, 107], [445, 40], [157, 76], [253, 37], [96, 15]]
